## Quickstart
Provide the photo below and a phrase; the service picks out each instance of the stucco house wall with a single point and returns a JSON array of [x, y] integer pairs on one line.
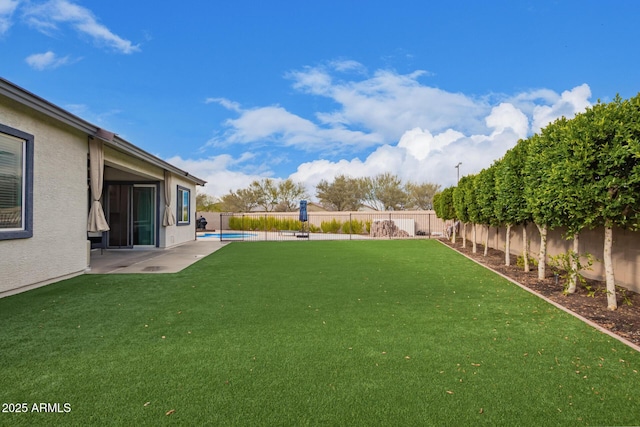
[[178, 233], [58, 247]]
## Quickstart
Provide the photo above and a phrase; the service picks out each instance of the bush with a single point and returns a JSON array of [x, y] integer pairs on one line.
[[532, 262], [332, 226], [353, 227], [262, 223], [561, 265]]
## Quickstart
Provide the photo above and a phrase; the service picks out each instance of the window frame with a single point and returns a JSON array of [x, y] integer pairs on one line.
[[181, 192], [27, 201]]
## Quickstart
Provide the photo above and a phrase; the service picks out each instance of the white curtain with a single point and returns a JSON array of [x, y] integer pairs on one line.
[[96, 221], [169, 218]]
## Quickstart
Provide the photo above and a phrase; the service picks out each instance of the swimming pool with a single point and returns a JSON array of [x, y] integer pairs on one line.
[[227, 235]]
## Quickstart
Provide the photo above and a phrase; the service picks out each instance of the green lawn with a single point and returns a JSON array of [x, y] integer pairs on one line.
[[308, 333]]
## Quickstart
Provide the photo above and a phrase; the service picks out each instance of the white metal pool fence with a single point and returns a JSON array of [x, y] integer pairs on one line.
[[269, 226]]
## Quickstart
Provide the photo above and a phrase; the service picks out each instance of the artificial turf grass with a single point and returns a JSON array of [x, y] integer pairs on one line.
[[346, 333]]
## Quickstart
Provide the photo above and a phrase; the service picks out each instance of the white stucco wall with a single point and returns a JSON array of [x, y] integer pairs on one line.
[[177, 234], [58, 247]]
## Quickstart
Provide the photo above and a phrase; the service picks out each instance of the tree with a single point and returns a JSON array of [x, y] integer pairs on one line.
[[343, 194], [509, 207], [486, 196], [443, 204], [265, 193], [384, 192], [206, 203], [571, 176], [460, 205], [542, 171], [420, 196], [243, 200], [611, 145], [473, 209], [289, 195]]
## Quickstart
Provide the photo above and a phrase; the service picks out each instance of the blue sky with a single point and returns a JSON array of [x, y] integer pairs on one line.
[[242, 90]]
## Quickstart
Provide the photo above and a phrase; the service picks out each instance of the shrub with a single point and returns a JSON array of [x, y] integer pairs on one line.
[[561, 265], [261, 223], [520, 261], [332, 226], [353, 227]]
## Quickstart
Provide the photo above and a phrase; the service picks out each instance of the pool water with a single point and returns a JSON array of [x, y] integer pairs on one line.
[[228, 235]]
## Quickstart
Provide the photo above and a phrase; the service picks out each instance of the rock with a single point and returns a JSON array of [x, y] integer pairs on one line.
[[386, 228]]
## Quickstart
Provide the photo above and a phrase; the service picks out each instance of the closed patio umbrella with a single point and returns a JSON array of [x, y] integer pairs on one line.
[[303, 211]]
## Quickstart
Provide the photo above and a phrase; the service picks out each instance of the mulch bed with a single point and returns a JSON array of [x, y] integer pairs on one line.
[[625, 321]]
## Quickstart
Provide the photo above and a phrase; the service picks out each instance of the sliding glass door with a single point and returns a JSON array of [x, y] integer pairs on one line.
[[132, 213], [144, 215]]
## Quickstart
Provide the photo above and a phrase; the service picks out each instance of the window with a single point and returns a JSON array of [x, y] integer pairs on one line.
[[184, 206], [16, 184]]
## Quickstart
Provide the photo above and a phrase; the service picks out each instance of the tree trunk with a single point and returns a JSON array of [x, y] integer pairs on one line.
[[507, 249], [542, 257], [612, 303], [486, 241], [573, 277], [475, 231], [453, 234], [525, 248], [464, 235]]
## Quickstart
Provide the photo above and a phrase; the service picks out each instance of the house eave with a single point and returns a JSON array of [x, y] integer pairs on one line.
[[45, 107]]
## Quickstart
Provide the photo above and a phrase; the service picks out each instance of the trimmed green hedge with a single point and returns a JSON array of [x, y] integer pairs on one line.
[[261, 223]]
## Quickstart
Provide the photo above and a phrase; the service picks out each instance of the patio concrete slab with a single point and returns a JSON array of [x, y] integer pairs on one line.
[[154, 260]]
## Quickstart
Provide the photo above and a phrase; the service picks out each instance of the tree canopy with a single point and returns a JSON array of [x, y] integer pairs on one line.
[[577, 173]]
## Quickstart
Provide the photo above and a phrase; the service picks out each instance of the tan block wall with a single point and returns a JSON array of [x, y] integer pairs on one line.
[[58, 247], [626, 249]]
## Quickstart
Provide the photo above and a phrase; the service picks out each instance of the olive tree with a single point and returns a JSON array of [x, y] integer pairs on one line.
[[288, 195], [420, 196], [384, 192], [342, 194]]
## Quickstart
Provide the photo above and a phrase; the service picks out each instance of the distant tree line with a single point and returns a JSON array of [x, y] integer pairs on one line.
[[383, 192], [577, 174]]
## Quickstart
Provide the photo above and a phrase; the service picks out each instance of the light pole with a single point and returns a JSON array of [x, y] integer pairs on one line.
[[458, 167]]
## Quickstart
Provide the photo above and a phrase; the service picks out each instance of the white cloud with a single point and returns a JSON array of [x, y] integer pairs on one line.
[[389, 103], [411, 161], [7, 7], [569, 103], [229, 105], [372, 111], [506, 116], [47, 60], [420, 155], [276, 125], [419, 142], [46, 17], [393, 123], [216, 171]]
